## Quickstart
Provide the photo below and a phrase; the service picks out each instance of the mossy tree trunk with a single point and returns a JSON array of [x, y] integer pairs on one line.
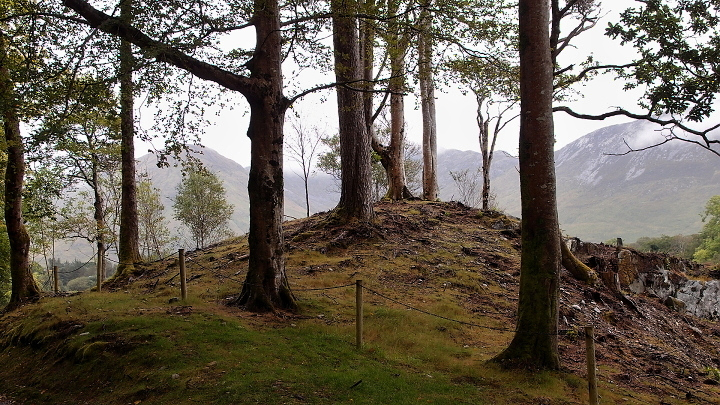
[[23, 286], [535, 344]]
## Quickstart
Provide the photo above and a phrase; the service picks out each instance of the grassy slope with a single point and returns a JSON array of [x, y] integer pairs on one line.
[[133, 346]]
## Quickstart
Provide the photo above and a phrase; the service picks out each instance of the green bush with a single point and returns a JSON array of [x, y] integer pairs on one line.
[[81, 284]]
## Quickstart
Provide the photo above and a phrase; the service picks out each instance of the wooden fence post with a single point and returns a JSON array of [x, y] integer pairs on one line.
[[56, 282], [358, 314], [591, 368], [183, 279]]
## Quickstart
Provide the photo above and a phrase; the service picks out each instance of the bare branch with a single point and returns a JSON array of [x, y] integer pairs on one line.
[[704, 141]]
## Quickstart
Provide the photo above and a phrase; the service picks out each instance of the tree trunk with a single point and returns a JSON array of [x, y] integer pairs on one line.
[[99, 219], [535, 342], [396, 155], [395, 167], [367, 56], [355, 188], [577, 268], [486, 153], [427, 100], [23, 286], [128, 245], [307, 194], [266, 287]]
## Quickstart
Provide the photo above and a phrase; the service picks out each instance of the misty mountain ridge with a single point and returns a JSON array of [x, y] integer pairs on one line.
[[662, 190]]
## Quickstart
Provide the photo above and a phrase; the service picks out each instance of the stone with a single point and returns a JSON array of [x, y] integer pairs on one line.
[[674, 304]]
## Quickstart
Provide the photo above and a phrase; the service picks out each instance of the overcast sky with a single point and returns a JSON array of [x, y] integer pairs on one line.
[[455, 112]]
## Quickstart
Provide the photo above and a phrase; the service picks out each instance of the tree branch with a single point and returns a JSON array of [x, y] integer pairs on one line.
[[160, 51], [705, 141]]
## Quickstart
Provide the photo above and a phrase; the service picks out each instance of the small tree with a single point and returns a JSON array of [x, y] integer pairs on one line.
[[302, 146], [467, 183], [155, 238], [201, 205]]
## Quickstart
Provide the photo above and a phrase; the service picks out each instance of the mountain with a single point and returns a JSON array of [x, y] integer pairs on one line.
[[662, 190]]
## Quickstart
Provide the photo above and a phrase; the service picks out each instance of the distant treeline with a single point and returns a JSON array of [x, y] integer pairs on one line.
[[683, 246]]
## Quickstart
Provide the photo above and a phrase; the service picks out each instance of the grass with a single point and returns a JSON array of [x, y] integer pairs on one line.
[[133, 346]]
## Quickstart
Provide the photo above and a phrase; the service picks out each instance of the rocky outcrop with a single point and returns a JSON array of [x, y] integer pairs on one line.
[[653, 274]]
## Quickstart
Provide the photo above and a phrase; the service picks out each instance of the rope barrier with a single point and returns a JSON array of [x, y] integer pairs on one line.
[[79, 268], [325, 288], [435, 315]]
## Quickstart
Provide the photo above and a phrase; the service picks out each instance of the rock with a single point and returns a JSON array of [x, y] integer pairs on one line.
[[674, 304], [173, 300], [175, 376]]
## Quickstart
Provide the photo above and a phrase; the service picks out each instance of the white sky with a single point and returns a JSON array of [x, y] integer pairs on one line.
[[455, 112]]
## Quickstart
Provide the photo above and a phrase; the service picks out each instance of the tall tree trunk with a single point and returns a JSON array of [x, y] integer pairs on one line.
[[128, 245], [395, 154], [266, 287], [397, 189], [427, 102], [99, 216], [486, 151], [535, 342], [355, 189], [367, 58], [23, 285]]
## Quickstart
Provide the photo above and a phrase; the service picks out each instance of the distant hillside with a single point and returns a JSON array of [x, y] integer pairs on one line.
[[600, 197]]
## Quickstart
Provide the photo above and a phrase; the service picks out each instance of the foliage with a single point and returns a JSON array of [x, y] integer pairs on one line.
[[155, 237], [329, 162], [201, 205], [80, 284], [76, 219], [683, 246], [679, 45], [709, 249]]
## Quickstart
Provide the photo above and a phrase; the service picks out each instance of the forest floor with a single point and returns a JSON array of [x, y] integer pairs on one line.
[[440, 291]]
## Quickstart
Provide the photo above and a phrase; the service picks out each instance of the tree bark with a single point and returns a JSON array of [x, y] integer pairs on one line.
[[99, 216], [355, 188], [266, 287], [535, 344], [427, 101], [486, 151], [397, 189], [23, 286], [394, 155], [577, 268], [128, 244]]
